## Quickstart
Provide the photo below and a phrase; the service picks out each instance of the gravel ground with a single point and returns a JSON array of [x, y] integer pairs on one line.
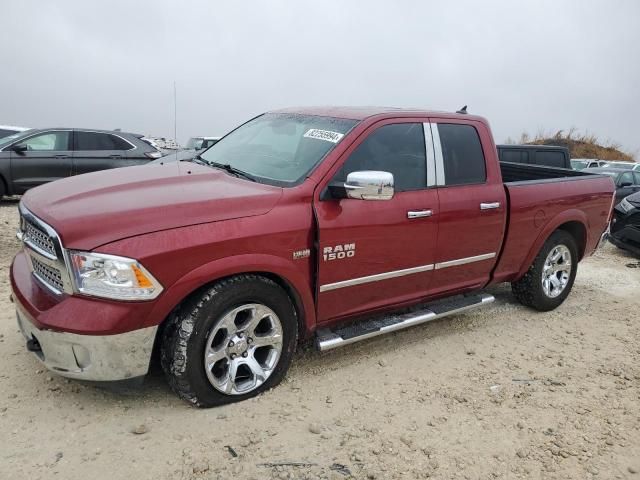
[[502, 392]]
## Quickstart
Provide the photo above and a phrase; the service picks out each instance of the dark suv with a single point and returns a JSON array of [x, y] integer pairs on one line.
[[34, 157], [546, 155]]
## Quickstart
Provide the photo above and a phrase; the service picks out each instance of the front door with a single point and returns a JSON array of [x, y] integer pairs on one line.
[[373, 253], [628, 183], [472, 205], [46, 156]]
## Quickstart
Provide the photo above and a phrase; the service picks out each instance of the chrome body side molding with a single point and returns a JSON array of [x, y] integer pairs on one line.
[[375, 278], [463, 261]]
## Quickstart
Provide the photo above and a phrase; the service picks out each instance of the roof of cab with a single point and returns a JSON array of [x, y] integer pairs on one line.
[[361, 113]]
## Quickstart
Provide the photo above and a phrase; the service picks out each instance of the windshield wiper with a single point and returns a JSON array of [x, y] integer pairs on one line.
[[228, 168], [223, 166]]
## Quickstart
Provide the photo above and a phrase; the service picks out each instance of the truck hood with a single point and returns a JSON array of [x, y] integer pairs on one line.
[[98, 208]]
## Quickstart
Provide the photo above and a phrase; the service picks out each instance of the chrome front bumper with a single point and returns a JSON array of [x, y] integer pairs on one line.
[[90, 357]]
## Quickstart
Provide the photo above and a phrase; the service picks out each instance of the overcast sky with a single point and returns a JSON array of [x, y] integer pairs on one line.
[[526, 66]]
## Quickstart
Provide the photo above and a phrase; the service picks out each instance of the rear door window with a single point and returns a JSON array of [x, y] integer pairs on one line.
[[551, 159], [514, 156], [99, 141], [462, 154]]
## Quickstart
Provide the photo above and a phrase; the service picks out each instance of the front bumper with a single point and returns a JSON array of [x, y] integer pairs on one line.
[[625, 231], [99, 358]]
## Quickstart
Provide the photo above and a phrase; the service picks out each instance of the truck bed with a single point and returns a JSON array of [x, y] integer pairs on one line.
[[539, 198], [522, 172]]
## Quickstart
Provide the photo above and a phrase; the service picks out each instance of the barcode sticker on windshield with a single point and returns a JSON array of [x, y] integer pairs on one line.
[[327, 135]]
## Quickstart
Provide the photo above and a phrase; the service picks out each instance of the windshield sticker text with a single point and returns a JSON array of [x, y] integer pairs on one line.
[[327, 135]]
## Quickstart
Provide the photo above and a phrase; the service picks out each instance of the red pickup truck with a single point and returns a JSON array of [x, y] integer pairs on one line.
[[338, 223]]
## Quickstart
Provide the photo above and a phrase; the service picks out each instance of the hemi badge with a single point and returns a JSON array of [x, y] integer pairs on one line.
[[298, 254]]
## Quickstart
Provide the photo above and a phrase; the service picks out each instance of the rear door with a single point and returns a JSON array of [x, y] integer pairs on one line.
[[378, 253], [47, 157], [93, 151], [473, 206]]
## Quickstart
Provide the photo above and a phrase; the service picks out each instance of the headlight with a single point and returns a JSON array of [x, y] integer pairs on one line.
[[626, 206], [114, 277]]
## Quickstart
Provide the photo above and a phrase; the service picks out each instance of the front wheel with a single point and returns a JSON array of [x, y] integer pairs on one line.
[[550, 277], [231, 342]]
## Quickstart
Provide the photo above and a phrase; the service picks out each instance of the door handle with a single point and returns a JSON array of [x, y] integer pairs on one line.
[[419, 213], [61, 156], [115, 156], [489, 206]]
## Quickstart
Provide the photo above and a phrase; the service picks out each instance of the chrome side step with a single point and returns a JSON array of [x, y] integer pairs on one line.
[[327, 339]]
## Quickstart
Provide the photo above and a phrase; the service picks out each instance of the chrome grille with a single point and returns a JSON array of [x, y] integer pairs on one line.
[[46, 252], [39, 238], [47, 274]]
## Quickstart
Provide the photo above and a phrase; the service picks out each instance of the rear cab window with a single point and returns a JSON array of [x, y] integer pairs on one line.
[[462, 154]]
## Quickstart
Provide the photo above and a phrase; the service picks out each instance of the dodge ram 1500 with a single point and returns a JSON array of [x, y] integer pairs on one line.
[[338, 223]]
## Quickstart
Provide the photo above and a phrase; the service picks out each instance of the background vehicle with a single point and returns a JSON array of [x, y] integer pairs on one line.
[[200, 143], [6, 130], [625, 227], [582, 163], [165, 145], [322, 221], [40, 156], [616, 164], [626, 181], [551, 156], [176, 156]]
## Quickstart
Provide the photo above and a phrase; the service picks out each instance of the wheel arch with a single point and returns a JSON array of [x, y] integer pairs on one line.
[[573, 222], [276, 269], [579, 233]]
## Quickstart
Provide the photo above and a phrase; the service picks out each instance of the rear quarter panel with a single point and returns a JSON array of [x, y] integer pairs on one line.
[[537, 209]]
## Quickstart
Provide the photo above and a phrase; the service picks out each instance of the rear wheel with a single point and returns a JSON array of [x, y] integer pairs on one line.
[[550, 277], [230, 342]]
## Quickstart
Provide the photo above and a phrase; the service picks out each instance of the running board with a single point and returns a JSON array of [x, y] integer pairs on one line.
[[329, 339]]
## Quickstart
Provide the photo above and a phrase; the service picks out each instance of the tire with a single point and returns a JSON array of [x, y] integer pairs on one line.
[[250, 309], [532, 290], [3, 190]]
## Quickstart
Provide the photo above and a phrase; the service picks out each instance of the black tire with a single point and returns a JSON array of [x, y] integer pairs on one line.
[[529, 290], [187, 332], [3, 190]]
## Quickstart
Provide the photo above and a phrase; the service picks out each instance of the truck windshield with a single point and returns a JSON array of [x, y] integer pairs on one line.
[[279, 149]]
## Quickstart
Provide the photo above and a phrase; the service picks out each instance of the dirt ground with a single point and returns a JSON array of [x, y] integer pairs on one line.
[[502, 392]]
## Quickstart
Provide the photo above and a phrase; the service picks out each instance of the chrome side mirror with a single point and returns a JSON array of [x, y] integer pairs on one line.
[[369, 185]]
